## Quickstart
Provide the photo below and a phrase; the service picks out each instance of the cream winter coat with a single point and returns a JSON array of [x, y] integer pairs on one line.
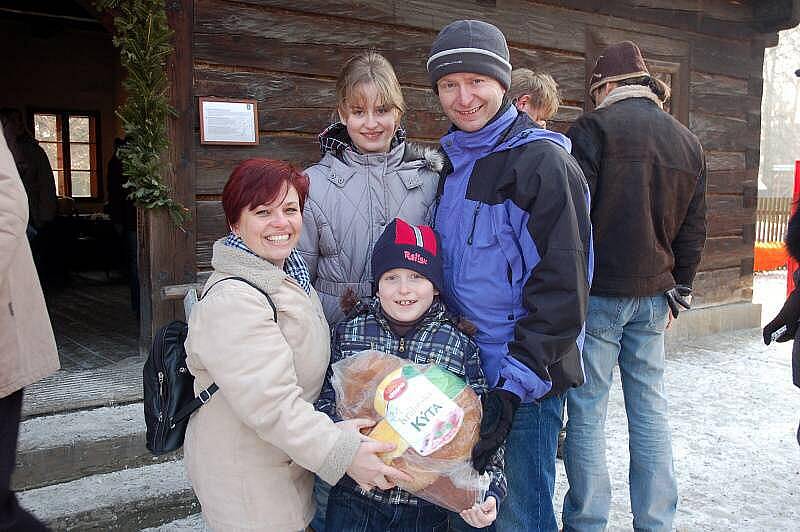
[[352, 198], [251, 450], [27, 347]]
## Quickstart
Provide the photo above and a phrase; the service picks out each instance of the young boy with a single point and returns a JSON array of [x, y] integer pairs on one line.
[[407, 319], [534, 93]]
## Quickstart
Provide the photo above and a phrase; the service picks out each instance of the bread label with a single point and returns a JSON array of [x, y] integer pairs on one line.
[[422, 413]]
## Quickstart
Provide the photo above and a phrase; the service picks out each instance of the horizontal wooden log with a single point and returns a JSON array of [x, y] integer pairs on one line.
[[210, 227], [727, 215], [725, 160], [288, 102], [735, 107], [727, 57], [558, 26], [720, 133], [224, 39], [215, 163], [178, 291], [717, 287], [704, 84], [719, 17], [725, 252], [731, 181]]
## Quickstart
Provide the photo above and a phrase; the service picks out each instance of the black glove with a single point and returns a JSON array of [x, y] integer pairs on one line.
[[499, 407], [788, 316], [679, 296]]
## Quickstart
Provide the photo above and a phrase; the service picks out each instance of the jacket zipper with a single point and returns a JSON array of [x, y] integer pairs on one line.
[[474, 223]]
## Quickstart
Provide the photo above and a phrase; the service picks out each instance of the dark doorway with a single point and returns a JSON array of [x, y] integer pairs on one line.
[[63, 75]]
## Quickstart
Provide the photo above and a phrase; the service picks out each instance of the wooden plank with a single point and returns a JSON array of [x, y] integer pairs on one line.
[[717, 287], [167, 254], [210, 227], [544, 26], [734, 107], [725, 160], [718, 16], [727, 215], [731, 181], [703, 84], [249, 36], [724, 56], [305, 104], [214, 163], [721, 133], [567, 70], [725, 252]]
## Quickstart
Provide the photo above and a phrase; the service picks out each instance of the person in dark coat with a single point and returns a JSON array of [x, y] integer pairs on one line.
[[784, 326], [647, 176]]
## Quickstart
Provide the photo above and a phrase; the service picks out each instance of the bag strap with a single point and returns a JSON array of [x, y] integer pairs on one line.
[[201, 399], [242, 279], [204, 396]]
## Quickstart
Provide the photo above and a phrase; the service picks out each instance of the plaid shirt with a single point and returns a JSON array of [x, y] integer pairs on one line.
[[294, 265], [435, 340]]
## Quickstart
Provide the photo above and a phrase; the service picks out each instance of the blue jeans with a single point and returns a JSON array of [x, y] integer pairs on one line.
[[629, 332], [322, 491], [530, 456], [350, 512]]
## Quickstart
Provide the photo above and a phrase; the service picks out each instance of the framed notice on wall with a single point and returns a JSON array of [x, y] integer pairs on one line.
[[226, 121]]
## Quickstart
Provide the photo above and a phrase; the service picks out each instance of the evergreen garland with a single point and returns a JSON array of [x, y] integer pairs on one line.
[[143, 38]]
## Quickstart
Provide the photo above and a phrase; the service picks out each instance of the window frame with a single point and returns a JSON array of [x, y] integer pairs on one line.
[[64, 181]]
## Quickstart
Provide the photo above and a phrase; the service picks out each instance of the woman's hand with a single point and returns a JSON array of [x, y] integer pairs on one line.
[[356, 425], [369, 471], [481, 515]]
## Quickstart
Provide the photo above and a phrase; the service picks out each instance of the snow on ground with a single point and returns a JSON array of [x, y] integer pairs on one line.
[[734, 413]]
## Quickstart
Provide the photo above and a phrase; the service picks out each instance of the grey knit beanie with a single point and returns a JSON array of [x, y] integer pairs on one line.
[[470, 46]]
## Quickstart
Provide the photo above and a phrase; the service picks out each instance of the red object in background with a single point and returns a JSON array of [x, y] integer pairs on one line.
[[791, 264]]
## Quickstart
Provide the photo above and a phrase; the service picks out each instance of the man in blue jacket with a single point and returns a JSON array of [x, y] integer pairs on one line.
[[513, 217]]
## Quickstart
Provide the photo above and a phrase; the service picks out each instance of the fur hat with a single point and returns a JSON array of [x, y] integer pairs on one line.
[[470, 46], [414, 247], [619, 61]]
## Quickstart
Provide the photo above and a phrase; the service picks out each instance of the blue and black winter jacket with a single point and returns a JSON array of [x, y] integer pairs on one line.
[[513, 218]]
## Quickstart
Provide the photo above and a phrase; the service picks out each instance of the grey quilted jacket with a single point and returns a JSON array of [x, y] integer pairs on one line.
[[351, 199]]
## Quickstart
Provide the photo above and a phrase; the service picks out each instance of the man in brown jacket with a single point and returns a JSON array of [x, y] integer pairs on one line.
[[27, 347]]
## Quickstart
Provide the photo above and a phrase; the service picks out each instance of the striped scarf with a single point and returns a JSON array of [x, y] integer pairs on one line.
[[294, 265]]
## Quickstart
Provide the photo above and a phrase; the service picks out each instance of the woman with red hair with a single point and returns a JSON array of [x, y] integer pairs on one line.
[[251, 450]]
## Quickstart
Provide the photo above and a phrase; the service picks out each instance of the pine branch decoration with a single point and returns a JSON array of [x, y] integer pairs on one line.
[[142, 35]]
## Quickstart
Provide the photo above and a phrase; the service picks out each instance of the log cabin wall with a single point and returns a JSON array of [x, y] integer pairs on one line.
[[287, 53]]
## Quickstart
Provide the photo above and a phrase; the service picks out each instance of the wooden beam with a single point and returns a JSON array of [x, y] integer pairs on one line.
[[167, 251]]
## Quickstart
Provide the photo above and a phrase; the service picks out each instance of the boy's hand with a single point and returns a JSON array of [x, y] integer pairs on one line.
[[481, 515]]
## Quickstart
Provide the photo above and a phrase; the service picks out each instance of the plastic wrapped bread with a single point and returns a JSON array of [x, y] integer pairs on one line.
[[431, 415]]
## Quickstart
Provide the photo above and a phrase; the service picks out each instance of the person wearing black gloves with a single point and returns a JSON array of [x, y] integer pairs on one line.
[[784, 326], [647, 177], [513, 217]]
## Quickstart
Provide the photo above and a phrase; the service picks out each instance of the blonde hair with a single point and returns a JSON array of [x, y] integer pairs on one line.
[[542, 89], [369, 67]]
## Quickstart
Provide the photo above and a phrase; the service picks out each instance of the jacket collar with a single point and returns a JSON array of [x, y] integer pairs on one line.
[[508, 130], [624, 92], [485, 138], [235, 262]]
